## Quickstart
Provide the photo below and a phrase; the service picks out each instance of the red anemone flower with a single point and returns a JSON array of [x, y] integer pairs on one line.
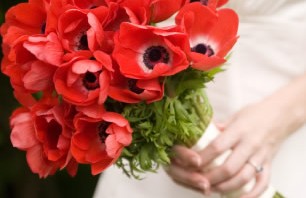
[[80, 30], [19, 23], [212, 34], [82, 81], [44, 134], [26, 72], [133, 91], [163, 9], [99, 140], [146, 52]]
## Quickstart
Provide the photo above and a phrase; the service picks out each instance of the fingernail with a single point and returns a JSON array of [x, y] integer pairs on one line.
[[196, 161], [205, 187]]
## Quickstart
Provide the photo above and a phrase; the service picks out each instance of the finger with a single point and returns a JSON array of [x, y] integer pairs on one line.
[[262, 181], [243, 177], [222, 143], [190, 179], [186, 157], [234, 163]]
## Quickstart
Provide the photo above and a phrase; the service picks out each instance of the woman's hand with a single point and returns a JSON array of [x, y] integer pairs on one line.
[[253, 134], [184, 170]]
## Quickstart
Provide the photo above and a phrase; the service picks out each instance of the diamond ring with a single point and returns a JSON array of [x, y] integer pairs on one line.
[[258, 168]]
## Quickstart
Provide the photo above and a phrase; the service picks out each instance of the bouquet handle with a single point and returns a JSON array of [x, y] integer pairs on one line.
[[210, 134]]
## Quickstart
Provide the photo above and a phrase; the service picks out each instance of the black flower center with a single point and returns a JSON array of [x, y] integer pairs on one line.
[[43, 28], [102, 131], [53, 131], [83, 42], [154, 55], [204, 2], [203, 49], [133, 87], [91, 80], [93, 7]]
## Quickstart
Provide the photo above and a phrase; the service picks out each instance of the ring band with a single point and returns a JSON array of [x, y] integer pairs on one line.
[[258, 169]]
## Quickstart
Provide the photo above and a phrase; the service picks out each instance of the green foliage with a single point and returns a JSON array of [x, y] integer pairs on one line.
[[180, 117]]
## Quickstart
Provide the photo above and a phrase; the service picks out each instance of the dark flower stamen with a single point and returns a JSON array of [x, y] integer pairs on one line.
[[102, 131], [91, 80], [43, 28], [133, 87], [203, 49], [83, 43], [204, 2], [154, 55]]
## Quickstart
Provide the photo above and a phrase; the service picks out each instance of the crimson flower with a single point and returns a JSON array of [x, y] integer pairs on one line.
[[43, 132], [80, 30], [27, 73], [156, 52], [163, 9], [19, 23], [212, 34], [133, 91], [82, 81], [99, 139]]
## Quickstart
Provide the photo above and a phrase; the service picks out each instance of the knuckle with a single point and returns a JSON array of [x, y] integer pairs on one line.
[[228, 170]]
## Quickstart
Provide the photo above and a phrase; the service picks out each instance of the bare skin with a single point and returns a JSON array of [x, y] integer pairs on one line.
[[253, 134]]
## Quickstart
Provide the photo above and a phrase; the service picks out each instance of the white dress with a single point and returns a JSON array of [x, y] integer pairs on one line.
[[270, 52]]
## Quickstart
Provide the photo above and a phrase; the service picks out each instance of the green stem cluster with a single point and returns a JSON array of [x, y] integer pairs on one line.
[[161, 125]]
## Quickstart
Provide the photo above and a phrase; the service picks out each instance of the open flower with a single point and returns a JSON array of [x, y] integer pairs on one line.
[[83, 81], [80, 30], [27, 73], [163, 9], [212, 34], [145, 52], [19, 23], [133, 91], [99, 140], [43, 132]]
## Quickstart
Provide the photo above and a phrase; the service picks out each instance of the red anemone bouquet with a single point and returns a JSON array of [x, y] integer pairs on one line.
[[101, 82]]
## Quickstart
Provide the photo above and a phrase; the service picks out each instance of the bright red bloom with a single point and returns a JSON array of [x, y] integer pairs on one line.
[[83, 81], [99, 140], [27, 73], [156, 52], [80, 31], [19, 23], [212, 34], [133, 91], [163, 9], [44, 134]]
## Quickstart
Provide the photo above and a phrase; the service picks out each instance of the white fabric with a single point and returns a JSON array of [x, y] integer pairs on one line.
[[270, 52]]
